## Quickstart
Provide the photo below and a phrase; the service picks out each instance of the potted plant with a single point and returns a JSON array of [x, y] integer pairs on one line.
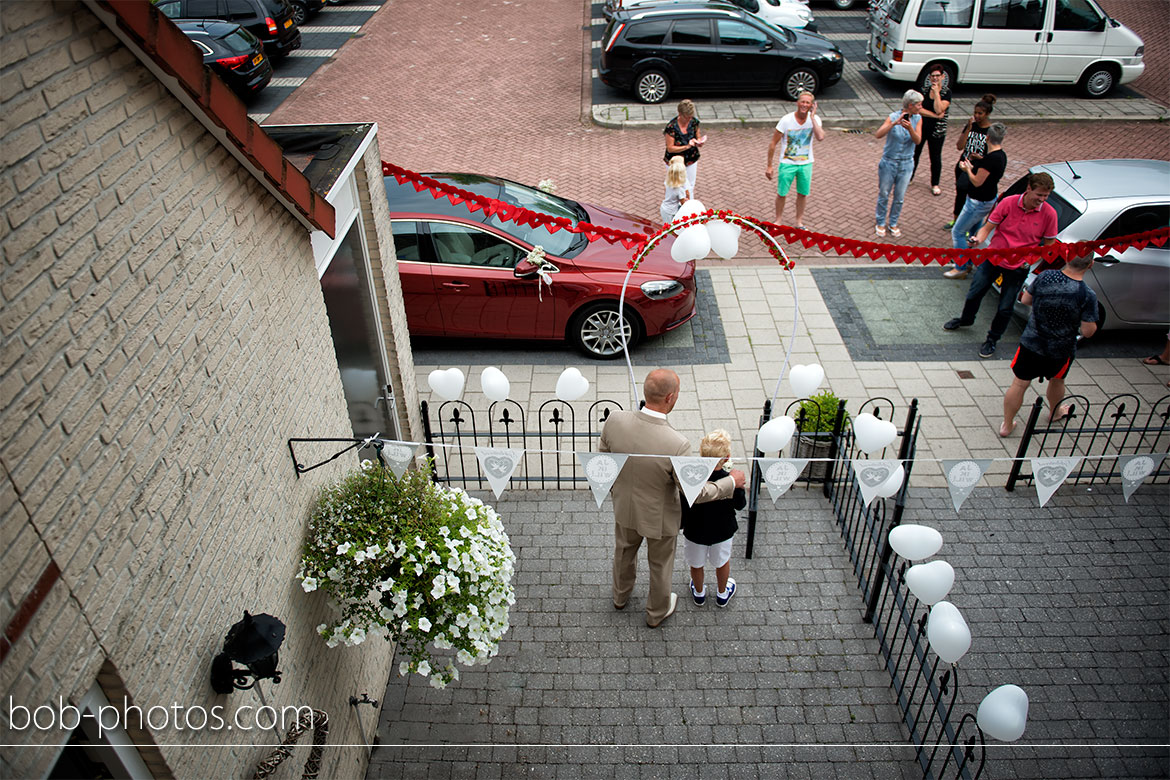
[[429, 567], [815, 417]]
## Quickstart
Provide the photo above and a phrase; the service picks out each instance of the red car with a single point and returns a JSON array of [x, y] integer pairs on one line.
[[462, 271]]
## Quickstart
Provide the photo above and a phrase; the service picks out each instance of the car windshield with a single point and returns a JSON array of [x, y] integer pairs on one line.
[[562, 242], [783, 32]]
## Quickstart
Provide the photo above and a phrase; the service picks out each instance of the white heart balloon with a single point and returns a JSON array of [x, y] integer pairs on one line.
[[804, 380], [892, 484], [947, 632], [872, 434], [915, 542], [775, 434], [930, 582], [1003, 713], [724, 238], [446, 384], [690, 208], [494, 384], [693, 243], [571, 385]]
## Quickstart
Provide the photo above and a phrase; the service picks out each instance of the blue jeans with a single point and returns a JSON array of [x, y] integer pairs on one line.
[[985, 275], [892, 175], [970, 219]]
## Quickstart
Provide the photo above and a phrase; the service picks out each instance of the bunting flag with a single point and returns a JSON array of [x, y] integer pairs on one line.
[[692, 473], [1134, 470], [498, 465], [780, 473], [398, 455], [876, 477], [1050, 473], [963, 476], [601, 469]]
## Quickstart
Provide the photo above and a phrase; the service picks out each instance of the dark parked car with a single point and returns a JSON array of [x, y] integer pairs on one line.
[[235, 54], [304, 10], [269, 20], [713, 47], [466, 274]]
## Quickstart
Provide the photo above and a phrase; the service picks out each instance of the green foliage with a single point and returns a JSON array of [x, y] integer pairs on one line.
[[820, 412]]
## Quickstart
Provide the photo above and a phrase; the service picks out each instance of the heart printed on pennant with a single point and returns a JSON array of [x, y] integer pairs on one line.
[[693, 474], [497, 465], [874, 475], [1051, 475]]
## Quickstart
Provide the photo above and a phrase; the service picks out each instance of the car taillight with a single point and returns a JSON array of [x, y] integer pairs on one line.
[[272, 28], [897, 55], [234, 62], [616, 33]]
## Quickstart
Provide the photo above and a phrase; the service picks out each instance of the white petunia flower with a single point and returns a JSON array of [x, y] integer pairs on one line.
[[424, 624], [342, 549], [424, 668], [309, 584]]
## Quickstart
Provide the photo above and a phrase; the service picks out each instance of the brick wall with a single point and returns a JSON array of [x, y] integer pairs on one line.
[[163, 334]]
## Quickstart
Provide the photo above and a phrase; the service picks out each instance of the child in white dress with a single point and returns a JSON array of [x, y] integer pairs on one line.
[[676, 188]]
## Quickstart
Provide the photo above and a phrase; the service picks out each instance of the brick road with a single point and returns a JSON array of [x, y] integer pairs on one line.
[[501, 89]]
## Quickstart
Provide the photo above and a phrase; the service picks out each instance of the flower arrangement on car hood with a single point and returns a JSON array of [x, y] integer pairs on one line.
[[429, 565]]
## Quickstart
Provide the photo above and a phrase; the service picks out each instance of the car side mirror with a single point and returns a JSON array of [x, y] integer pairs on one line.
[[766, 46], [526, 269]]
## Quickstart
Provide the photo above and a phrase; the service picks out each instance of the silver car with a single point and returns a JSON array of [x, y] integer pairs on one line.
[[1097, 199]]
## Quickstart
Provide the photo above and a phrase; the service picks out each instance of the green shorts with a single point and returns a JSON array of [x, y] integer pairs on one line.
[[802, 172]]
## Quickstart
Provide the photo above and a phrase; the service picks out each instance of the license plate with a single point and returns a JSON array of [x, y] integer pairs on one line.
[[288, 24], [999, 281], [258, 59]]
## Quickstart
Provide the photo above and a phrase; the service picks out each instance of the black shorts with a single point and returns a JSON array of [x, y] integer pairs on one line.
[[1028, 365]]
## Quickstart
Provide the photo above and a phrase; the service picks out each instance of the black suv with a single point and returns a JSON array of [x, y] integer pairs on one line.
[[712, 47], [232, 52], [269, 20]]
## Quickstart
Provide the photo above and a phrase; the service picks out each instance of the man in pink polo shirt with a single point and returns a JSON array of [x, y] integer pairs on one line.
[[1019, 221]]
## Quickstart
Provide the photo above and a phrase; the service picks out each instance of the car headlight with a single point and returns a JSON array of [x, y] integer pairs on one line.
[[660, 289], [832, 55]]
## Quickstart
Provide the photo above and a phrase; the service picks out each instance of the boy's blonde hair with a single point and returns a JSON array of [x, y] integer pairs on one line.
[[716, 444], [676, 172]]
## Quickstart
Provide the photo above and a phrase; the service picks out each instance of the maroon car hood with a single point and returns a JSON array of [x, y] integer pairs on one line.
[[599, 254]]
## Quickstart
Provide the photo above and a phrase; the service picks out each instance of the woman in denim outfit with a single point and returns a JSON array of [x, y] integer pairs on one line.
[[902, 131]]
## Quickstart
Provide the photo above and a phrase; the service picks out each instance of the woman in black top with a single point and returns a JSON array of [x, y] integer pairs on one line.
[[682, 137], [935, 105], [972, 143]]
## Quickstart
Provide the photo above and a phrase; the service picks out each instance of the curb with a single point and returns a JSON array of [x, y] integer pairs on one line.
[[844, 123]]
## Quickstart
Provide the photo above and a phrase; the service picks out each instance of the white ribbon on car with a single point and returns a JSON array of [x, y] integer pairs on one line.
[[543, 272]]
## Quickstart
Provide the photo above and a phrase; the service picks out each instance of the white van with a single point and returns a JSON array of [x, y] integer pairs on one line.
[[1004, 42]]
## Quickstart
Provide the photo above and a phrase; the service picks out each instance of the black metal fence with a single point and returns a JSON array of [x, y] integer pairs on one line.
[[557, 431], [1119, 427], [926, 694]]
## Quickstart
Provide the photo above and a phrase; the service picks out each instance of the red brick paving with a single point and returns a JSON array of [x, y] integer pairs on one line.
[[1150, 19], [500, 87]]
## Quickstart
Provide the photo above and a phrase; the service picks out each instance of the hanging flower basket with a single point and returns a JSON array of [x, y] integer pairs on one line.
[[430, 566]]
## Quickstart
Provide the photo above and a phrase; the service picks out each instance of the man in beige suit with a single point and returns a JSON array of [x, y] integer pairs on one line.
[[646, 501]]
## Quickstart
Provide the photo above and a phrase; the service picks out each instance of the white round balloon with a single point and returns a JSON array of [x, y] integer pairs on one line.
[[893, 484], [571, 385], [446, 384], [775, 434], [915, 542], [724, 238], [804, 380], [872, 434], [930, 582], [1003, 713], [947, 632], [693, 243], [690, 208], [494, 384]]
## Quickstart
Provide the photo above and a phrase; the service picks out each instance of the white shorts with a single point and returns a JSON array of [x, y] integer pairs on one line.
[[698, 555]]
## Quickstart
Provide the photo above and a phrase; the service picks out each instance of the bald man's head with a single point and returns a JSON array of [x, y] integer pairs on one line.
[[661, 389]]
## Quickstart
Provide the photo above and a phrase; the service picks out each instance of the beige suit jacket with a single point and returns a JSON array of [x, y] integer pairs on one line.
[[646, 493]]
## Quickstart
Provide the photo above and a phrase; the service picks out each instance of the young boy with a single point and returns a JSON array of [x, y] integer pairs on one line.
[[708, 527]]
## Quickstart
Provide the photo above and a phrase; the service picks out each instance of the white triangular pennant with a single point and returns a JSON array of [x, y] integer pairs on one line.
[[601, 469], [1134, 470], [871, 475], [1050, 473], [962, 477], [498, 464], [692, 473], [398, 455], [780, 473]]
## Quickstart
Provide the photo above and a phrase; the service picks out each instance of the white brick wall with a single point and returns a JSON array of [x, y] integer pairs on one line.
[[163, 334]]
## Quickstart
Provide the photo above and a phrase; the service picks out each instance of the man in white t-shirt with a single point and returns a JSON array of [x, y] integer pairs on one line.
[[796, 132]]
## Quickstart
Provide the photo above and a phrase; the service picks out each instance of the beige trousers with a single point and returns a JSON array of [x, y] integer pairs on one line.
[[660, 556]]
